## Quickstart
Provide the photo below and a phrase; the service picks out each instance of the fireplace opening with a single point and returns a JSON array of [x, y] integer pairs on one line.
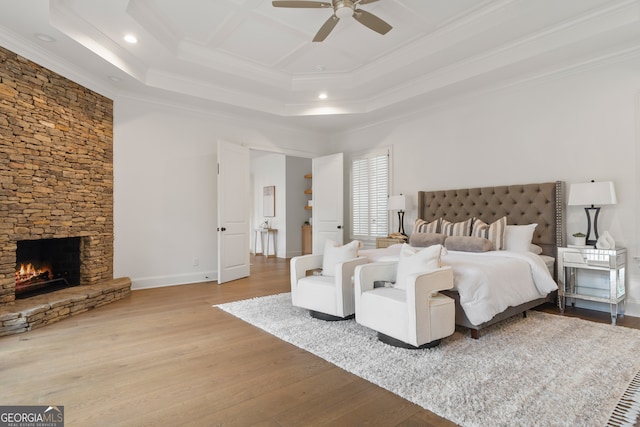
[[46, 265]]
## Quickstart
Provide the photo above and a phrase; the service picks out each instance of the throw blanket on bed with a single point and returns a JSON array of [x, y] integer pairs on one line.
[[488, 282]]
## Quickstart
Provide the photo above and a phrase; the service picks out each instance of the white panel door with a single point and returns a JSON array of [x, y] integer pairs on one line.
[[327, 189], [233, 212]]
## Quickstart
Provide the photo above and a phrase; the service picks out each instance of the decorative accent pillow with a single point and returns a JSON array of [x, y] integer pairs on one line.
[[535, 249], [426, 239], [468, 244], [335, 254], [518, 237], [494, 231], [456, 228], [422, 226], [414, 261]]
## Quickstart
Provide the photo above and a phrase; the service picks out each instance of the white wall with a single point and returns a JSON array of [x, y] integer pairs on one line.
[[165, 168], [297, 168], [572, 128]]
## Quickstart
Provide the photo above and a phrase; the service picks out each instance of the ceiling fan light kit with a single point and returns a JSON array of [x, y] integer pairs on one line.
[[341, 9]]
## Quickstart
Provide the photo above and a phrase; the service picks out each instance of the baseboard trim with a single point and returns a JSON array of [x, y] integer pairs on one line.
[[179, 279], [632, 308]]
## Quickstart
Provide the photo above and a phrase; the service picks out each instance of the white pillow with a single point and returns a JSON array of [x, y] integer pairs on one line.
[[414, 261], [517, 238], [335, 254]]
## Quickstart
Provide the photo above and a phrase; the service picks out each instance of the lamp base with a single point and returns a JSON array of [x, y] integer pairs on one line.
[[401, 223], [592, 212]]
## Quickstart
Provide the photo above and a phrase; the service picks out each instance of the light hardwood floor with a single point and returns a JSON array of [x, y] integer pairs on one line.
[[165, 357]]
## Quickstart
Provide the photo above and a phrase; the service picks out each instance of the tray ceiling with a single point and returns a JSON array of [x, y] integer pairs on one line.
[[249, 55]]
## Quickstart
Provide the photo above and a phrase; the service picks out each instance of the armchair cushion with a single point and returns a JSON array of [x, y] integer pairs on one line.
[[317, 293], [335, 254], [414, 261]]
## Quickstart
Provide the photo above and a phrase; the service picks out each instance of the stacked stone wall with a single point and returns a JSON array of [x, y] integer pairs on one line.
[[56, 167]]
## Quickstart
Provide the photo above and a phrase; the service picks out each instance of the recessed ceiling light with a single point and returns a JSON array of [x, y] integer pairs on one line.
[[323, 95], [45, 38], [130, 38]]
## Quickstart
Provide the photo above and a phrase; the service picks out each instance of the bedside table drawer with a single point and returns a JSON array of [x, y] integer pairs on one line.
[[593, 258], [573, 258]]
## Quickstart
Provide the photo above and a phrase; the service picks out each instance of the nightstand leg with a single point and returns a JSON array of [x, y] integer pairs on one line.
[[561, 302]]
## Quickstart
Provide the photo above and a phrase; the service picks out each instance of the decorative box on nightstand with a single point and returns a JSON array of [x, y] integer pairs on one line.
[[384, 242], [592, 275]]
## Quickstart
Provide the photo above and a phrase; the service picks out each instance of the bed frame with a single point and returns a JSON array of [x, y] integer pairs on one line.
[[522, 204]]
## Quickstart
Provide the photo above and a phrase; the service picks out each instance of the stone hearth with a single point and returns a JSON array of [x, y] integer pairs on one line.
[[41, 310]]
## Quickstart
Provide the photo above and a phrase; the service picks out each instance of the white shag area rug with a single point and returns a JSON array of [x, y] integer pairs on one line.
[[542, 370]]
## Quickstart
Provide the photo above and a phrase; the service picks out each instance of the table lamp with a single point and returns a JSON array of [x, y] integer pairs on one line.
[[590, 194], [398, 203]]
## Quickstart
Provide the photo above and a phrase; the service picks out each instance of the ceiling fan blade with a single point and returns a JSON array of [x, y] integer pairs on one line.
[[371, 21], [326, 28], [301, 4], [366, 1]]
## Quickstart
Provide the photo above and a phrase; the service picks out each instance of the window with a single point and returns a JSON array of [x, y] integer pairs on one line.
[[369, 194]]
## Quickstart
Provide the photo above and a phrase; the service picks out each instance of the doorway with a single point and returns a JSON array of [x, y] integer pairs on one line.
[[286, 174]]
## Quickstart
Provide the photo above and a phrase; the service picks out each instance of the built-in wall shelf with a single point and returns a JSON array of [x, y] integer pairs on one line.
[[308, 192]]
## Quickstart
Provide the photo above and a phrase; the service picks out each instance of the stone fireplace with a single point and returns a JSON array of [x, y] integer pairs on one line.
[[46, 265], [56, 170]]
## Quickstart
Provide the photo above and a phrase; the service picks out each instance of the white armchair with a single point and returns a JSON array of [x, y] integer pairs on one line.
[[415, 317], [328, 296]]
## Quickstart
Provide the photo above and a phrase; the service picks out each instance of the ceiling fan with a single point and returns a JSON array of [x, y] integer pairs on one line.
[[341, 9]]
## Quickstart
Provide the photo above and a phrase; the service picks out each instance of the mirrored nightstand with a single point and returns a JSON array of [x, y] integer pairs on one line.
[[592, 275]]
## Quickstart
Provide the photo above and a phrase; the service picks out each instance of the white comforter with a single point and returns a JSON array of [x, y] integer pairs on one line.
[[489, 282]]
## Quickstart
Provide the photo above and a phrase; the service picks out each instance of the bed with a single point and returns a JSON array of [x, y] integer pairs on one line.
[[541, 203]]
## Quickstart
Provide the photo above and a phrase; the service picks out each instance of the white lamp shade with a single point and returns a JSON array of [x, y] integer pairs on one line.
[[592, 193], [397, 203]]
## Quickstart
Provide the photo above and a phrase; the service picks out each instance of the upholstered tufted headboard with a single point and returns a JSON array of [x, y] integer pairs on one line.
[[522, 204]]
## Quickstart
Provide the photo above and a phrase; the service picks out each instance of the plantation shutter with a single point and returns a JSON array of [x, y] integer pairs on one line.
[[369, 195]]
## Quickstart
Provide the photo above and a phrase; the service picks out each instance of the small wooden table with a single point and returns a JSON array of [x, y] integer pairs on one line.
[[384, 242], [268, 232]]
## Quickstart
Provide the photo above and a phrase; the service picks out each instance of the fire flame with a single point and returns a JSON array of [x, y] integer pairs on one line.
[[28, 272]]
